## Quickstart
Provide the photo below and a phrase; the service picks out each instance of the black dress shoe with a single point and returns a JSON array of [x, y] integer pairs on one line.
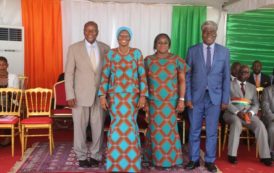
[[192, 165], [267, 161], [272, 156], [84, 163], [210, 167], [94, 162], [232, 159]]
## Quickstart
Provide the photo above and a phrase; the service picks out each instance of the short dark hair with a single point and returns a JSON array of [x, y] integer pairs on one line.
[[256, 61], [235, 64], [158, 37], [91, 23], [4, 59]]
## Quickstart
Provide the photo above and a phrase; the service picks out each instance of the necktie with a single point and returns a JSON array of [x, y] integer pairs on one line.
[[208, 59], [257, 81], [242, 88], [93, 58]]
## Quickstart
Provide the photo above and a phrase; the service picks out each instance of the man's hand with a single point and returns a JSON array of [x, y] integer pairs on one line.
[[241, 115], [142, 102], [71, 102], [189, 104], [224, 106], [180, 106], [104, 103]]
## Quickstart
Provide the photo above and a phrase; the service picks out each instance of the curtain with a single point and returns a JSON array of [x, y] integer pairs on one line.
[[247, 5], [145, 20], [186, 28], [220, 18], [10, 12], [250, 36], [43, 41]]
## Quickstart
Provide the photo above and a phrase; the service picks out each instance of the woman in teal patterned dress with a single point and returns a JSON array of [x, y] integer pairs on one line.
[[123, 90], [166, 83]]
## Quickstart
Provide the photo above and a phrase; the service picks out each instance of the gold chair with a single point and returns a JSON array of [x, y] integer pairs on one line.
[[61, 112], [38, 103], [247, 137], [10, 105], [219, 136], [23, 82]]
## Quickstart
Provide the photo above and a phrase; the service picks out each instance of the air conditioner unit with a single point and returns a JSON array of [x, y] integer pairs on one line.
[[12, 47]]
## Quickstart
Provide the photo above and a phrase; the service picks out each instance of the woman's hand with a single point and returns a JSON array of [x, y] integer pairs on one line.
[[142, 102], [180, 106], [104, 103]]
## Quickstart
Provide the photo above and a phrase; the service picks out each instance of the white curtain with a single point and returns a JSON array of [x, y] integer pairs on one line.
[[145, 20], [246, 5], [10, 12], [220, 18]]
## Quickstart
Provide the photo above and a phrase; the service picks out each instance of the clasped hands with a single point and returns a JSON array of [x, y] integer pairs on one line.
[[242, 115], [141, 104]]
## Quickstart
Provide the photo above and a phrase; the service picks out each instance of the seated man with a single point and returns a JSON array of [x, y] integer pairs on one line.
[[243, 107], [234, 70], [7, 80], [268, 115], [257, 78]]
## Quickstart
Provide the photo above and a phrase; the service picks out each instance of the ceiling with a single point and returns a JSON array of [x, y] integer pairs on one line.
[[214, 3]]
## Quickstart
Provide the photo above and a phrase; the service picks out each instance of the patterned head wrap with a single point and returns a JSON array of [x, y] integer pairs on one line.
[[124, 28]]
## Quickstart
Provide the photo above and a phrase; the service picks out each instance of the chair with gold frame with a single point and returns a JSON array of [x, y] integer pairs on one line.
[[23, 82], [10, 105], [247, 136], [38, 104]]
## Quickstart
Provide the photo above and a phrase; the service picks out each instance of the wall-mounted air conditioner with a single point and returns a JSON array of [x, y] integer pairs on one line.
[[12, 47]]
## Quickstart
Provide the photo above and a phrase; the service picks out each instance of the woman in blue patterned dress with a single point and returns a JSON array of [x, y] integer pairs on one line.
[[166, 83], [123, 90]]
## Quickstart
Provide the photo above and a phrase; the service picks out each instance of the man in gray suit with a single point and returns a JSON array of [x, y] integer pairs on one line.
[[244, 106], [82, 79], [268, 115]]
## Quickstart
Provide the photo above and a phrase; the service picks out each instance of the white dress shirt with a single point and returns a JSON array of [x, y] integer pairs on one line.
[[96, 50]]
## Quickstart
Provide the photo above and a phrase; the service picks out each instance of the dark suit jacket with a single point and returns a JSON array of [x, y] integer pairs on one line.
[[265, 80]]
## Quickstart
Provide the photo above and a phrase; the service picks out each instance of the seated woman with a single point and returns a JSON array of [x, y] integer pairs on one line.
[[7, 80]]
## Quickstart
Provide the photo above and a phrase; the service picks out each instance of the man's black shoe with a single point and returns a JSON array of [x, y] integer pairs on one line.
[[94, 163], [84, 163], [232, 159], [192, 165], [267, 161], [210, 167]]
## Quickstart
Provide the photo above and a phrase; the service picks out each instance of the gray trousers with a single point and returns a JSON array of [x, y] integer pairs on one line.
[[256, 126], [270, 130], [81, 117]]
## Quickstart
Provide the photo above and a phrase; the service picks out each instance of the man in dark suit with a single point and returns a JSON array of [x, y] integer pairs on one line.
[[257, 78], [207, 92], [272, 77], [242, 111]]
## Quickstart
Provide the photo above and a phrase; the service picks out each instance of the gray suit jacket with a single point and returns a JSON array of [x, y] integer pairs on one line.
[[250, 93], [268, 104], [81, 80]]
